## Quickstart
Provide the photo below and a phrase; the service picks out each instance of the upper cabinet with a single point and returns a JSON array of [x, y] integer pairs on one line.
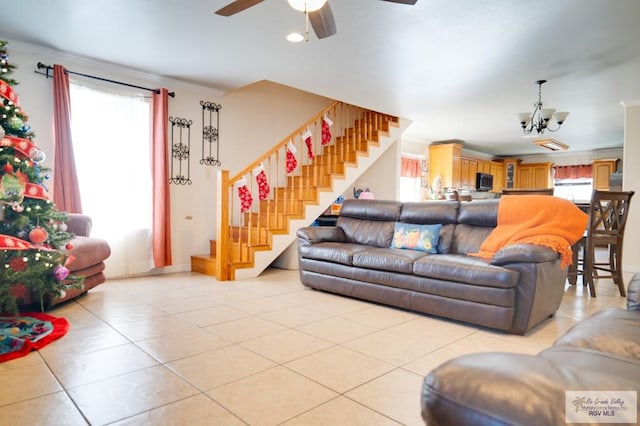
[[510, 172], [534, 176], [602, 169], [496, 168], [455, 170], [445, 160]]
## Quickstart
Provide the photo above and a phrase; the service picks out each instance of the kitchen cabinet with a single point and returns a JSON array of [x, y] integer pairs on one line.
[[602, 169], [510, 172], [497, 170], [534, 176], [445, 161], [473, 169]]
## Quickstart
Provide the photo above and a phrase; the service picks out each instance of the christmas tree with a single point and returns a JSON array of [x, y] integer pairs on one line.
[[34, 244]]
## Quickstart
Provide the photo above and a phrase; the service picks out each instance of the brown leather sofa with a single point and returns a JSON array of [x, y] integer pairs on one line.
[[517, 289], [600, 353]]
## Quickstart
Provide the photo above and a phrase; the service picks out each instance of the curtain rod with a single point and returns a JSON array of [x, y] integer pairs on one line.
[[50, 68]]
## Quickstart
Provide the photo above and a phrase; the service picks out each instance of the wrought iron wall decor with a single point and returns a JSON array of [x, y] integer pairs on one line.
[[210, 133], [180, 150]]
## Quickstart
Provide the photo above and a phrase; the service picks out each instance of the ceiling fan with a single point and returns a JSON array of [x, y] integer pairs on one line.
[[318, 12]]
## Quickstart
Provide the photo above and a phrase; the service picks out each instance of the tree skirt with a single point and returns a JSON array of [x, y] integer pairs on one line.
[[22, 333]]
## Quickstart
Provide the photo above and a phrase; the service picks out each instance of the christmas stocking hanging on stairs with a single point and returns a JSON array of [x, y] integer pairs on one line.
[[263, 184], [245, 196], [306, 136], [291, 157], [326, 131]]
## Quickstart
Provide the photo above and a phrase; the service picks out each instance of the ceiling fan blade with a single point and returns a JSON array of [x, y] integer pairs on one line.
[[236, 6], [322, 21], [402, 1]]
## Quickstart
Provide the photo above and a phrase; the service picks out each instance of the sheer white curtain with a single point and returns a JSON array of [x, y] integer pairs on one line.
[[111, 137]]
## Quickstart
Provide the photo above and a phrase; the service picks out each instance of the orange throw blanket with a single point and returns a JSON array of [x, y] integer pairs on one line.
[[536, 219]]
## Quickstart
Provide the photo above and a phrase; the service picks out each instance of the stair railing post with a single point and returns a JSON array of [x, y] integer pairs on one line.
[[222, 226]]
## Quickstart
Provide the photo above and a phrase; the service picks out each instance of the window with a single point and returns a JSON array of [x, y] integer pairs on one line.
[[410, 179], [111, 142], [579, 189], [574, 182]]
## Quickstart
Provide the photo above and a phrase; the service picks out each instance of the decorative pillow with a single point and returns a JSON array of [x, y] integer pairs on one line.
[[416, 237]]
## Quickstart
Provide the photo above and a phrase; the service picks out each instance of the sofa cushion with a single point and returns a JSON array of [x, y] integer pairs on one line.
[[465, 269], [332, 252], [366, 232], [468, 239], [387, 259], [613, 330], [416, 237], [369, 222], [479, 213], [380, 210]]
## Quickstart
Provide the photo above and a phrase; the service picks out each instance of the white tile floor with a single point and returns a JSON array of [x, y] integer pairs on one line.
[[186, 349]]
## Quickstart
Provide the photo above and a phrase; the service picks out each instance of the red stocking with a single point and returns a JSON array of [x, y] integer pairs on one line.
[[306, 136], [263, 184], [326, 131], [245, 196], [291, 157]]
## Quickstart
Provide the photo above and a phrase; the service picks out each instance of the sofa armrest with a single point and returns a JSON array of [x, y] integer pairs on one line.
[[524, 253], [79, 224], [633, 293], [518, 389], [494, 389], [320, 234]]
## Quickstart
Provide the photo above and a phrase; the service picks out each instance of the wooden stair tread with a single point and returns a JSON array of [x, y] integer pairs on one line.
[[204, 264]]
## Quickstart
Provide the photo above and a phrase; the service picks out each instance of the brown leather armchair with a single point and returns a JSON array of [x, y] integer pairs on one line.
[[89, 253], [600, 353]]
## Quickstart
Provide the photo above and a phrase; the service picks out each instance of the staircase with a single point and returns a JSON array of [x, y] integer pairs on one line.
[[248, 240]]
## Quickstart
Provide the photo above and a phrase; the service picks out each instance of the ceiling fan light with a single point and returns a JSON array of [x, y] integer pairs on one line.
[[308, 5], [295, 37]]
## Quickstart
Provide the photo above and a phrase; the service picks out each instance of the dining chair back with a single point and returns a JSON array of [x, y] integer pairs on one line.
[[608, 212]]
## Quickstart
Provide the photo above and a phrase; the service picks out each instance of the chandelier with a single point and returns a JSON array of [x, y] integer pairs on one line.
[[541, 119]]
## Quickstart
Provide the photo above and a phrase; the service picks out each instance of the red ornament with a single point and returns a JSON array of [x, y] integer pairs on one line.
[[7, 168], [38, 235], [69, 246], [18, 264]]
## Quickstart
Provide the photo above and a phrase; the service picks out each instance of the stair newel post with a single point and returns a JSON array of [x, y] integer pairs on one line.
[[224, 191]]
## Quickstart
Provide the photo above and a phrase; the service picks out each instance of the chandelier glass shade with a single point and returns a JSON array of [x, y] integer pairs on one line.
[[541, 119], [307, 5]]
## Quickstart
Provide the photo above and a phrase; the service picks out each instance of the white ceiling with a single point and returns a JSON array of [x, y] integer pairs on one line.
[[459, 69]]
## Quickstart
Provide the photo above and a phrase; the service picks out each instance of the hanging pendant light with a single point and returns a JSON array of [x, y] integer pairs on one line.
[[541, 119]]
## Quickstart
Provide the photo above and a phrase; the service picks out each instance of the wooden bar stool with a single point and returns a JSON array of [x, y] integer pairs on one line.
[[608, 213]]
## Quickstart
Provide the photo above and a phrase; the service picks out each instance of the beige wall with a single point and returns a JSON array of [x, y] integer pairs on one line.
[[631, 182], [260, 115], [379, 178]]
